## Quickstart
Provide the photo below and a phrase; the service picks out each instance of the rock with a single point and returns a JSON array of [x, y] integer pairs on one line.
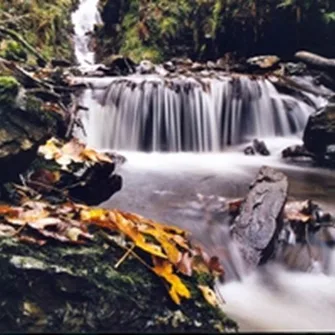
[[263, 62], [60, 63], [296, 151], [119, 65], [146, 67], [24, 125], [260, 147], [196, 67], [257, 147], [259, 222], [169, 66], [293, 69], [320, 130], [249, 151], [73, 288], [182, 61]]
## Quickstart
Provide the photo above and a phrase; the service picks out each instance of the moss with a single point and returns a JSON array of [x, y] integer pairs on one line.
[[9, 89], [45, 24], [78, 289], [12, 50]]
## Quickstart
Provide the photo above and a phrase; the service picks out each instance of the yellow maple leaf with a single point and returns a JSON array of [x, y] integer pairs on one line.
[[178, 289], [129, 229]]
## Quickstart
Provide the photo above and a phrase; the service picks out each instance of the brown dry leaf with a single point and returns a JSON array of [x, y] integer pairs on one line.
[[31, 240], [75, 233], [45, 222], [215, 266], [5, 209], [209, 295], [185, 264], [181, 241], [6, 230], [297, 211], [234, 206], [94, 156], [51, 149], [128, 228], [74, 149], [27, 216], [178, 289]]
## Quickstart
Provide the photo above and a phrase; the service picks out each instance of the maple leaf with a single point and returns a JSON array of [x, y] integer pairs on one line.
[[178, 289]]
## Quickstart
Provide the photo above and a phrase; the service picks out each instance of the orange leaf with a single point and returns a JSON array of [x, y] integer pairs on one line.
[[172, 252], [178, 289], [127, 227]]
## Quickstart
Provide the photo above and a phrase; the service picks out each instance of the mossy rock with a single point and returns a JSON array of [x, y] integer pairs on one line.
[[9, 89], [13, 50], [64, 288]]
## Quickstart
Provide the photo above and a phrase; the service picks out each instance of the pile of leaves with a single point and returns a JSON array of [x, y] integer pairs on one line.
[[71, 152], [170, 253]]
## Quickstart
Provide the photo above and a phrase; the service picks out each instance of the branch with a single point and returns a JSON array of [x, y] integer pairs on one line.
[[19, 39]]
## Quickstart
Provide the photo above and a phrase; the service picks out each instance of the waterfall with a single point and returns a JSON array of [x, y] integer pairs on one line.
[[189, 113], [84, 19]]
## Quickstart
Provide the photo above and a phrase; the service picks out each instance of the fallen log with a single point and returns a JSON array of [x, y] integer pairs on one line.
[[315, 60]]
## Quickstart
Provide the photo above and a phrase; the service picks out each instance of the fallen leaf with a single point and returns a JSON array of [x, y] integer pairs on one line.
[[130, 230], [215, 266], [185, 264], [209, 295], [178, 289]]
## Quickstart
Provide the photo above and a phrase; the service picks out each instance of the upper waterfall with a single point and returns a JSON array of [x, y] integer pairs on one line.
[[155, 113], [84, 19]]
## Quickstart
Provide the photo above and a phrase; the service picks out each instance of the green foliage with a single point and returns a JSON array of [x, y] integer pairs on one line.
[[161, 29], [45, 24], [12, 50], [9, 88]]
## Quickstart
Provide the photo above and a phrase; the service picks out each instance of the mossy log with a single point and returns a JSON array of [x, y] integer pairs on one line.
[[78, 289]]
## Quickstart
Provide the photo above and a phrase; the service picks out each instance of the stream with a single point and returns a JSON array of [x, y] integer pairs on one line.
[[184, 160]]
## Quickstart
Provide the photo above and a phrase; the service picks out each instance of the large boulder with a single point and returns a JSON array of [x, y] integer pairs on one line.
[[319, 133], [259, 222]]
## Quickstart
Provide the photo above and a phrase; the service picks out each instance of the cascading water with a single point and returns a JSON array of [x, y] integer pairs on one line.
[[206, 114], [153, 113], [84, 19]]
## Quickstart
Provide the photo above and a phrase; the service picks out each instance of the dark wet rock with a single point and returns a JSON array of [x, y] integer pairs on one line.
[[319, 134], [263, 62], [256, 227], [119, 65], [294, 69], [60, 63], [261, 148], [258, 147], [296, 151], [249, 151]]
